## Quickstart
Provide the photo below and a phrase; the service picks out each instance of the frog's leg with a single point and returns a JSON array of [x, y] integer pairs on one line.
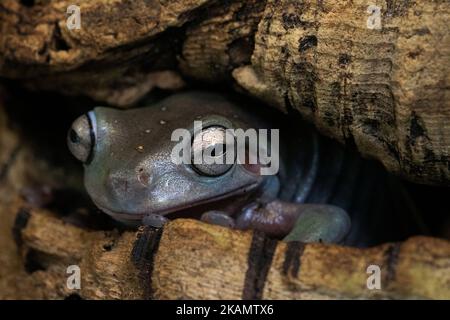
[[297, 222]]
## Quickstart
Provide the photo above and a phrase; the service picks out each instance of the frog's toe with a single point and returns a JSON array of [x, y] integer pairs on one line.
[[154, 220], [320, 223], [219, 218]]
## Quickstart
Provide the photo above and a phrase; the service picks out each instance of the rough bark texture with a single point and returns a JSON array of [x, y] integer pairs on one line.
[[23, 165], [188, 259], [218, 263], [385, 91]]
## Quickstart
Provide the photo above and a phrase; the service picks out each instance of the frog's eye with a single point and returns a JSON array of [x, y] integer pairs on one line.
[[213, 152], [80, 139]]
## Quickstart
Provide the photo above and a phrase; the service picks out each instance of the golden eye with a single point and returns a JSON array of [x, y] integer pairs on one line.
[[211, 151], [80, 139]]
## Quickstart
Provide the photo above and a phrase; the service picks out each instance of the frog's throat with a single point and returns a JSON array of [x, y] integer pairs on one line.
[[124, 216]]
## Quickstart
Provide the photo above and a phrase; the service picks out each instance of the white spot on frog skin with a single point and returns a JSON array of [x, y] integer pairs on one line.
[[147, 131], [162, 122]]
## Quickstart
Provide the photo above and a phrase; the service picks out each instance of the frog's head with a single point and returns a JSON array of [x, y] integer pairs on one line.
[[127, 156]]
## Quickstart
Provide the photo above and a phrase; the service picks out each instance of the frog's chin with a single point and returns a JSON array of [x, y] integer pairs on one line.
[[230, 202]]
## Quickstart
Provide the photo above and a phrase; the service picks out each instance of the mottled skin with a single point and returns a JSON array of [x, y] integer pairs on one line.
[[129, 173]]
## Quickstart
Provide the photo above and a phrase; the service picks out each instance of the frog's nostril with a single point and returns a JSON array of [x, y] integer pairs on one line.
[[143, 176]]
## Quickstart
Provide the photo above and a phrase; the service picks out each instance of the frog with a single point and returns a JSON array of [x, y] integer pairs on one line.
[[129, 172]]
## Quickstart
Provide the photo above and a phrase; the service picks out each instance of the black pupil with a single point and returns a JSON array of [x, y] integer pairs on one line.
[[220, 152], [74, 137]]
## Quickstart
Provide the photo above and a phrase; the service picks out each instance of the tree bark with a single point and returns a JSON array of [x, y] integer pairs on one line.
[[188, 259], [384, 91], [219, 263]]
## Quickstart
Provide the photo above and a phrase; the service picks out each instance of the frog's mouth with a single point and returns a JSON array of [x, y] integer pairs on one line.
[[231, 203]]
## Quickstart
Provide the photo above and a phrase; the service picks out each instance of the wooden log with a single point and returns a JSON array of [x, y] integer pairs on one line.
[[382, 88], [192, 260], [383, 91]]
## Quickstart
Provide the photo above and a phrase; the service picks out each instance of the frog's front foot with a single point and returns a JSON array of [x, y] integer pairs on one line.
[[320, 223], [154, 220], [297, 222]]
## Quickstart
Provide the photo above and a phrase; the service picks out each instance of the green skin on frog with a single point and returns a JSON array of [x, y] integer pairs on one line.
[[129, 173]]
